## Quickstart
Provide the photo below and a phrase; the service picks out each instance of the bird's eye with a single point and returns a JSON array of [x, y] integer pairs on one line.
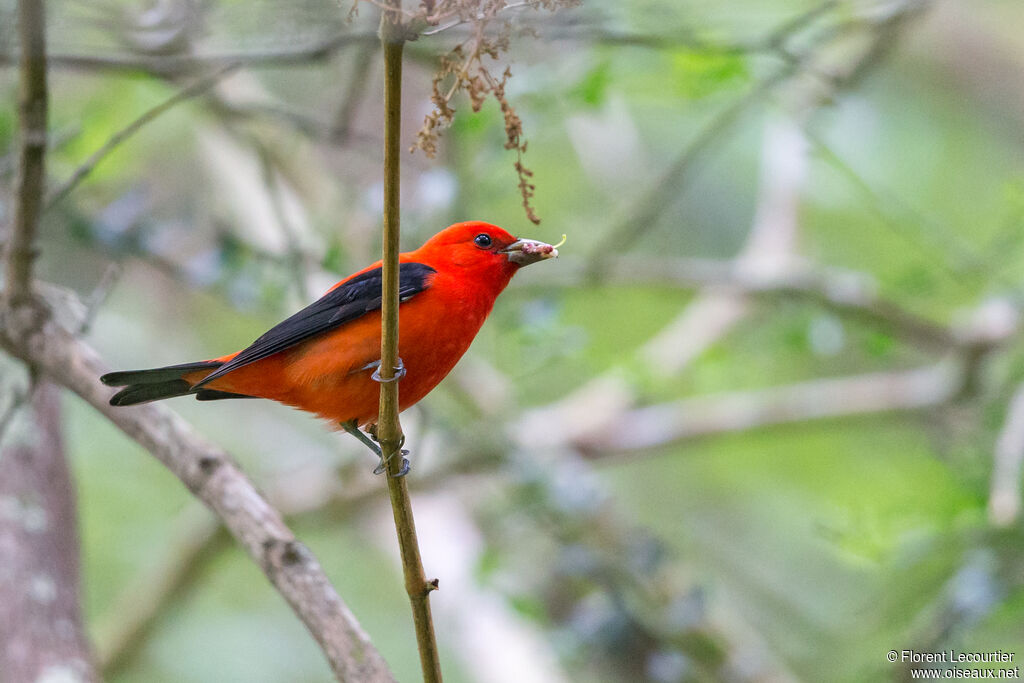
[[483, 240]]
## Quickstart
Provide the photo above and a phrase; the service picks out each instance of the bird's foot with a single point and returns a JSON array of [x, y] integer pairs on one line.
[[404, 470], [352, 427], [383, 466], [369, 441], [399, 373]]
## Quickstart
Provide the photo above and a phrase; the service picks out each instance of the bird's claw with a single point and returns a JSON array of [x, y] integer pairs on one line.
[[399, 373], [352, 428], [404, 470]]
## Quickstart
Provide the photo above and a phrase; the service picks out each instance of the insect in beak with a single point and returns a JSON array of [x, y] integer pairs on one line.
[[525, 251]]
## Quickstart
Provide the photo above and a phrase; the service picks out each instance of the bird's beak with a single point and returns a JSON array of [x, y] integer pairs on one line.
[[524, 251]]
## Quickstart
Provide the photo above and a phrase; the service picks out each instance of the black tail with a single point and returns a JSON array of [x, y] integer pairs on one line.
[[142, 386]]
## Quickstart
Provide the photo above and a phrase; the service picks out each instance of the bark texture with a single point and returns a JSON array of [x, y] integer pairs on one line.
[[41, 636]]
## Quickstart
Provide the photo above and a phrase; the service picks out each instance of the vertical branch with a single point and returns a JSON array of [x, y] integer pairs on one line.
[[32, 104], [389, 430]]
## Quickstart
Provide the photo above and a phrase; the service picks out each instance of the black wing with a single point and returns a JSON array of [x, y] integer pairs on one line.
[[344, 303]]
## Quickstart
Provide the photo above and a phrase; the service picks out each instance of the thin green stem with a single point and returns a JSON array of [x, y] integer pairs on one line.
[[389, 430], [87, 167]]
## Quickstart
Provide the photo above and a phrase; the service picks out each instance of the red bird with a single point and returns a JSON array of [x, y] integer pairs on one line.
[[323, 358]]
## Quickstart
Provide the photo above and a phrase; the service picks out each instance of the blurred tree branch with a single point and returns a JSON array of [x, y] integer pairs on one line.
[[643, 213], [818, 75], [184, 65], [643, 430], [197, 88]]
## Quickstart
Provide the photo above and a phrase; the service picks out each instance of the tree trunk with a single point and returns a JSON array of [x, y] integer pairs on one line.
[[41, 635]]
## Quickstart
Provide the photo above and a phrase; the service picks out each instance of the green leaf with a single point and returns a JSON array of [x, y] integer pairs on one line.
[[879, 344], [593, 87], [697, 74], [529, 606], [489, 562]]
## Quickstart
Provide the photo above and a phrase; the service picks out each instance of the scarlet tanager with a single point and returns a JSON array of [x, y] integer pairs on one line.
[[323, 358]]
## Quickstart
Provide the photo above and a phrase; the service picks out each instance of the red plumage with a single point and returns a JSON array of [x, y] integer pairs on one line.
[[321, 359]]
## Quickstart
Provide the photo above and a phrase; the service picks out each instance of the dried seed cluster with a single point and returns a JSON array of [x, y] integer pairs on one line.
[[468, 68]]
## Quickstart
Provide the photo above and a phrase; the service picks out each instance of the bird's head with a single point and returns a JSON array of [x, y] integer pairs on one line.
[[479, 245]]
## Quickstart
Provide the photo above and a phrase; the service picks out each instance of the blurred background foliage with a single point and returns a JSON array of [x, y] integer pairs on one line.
[[796, 551]]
